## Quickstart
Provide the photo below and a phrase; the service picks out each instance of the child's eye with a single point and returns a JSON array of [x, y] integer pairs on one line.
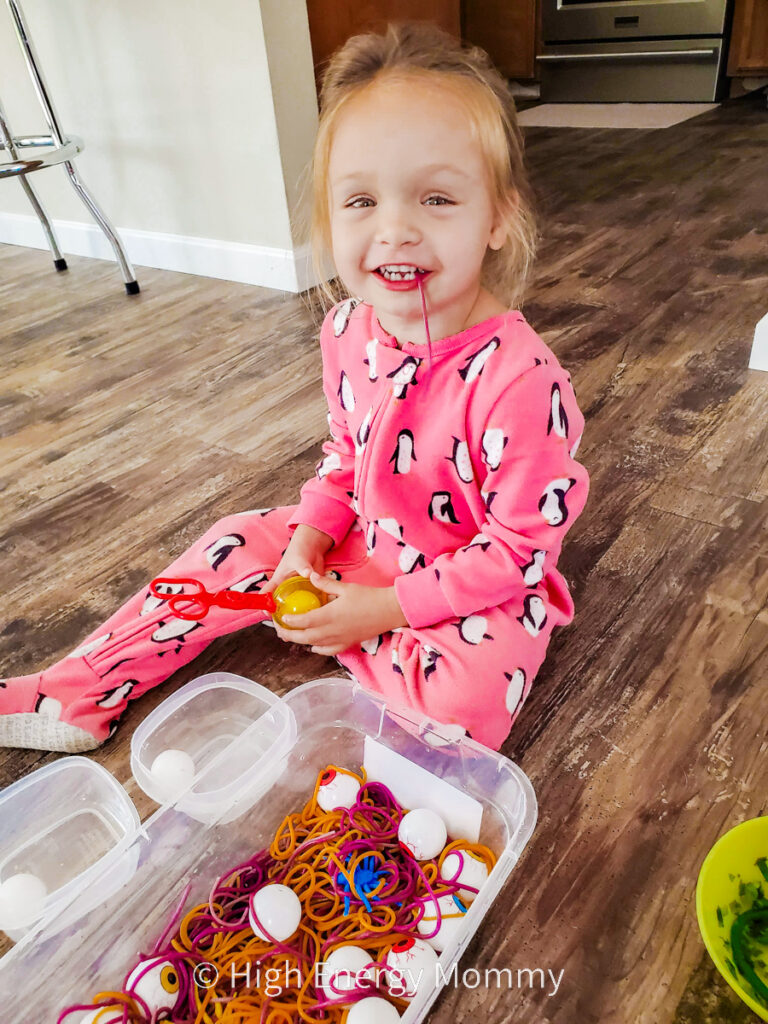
[[353, 204], [440, 201]]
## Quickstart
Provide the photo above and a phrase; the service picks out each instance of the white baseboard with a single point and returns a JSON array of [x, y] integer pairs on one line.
[[288, 270]]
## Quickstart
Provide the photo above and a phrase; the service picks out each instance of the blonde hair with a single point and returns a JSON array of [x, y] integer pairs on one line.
[[422, 50]]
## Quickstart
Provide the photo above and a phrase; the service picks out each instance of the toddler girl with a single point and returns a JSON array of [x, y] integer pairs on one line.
[[436, 517]]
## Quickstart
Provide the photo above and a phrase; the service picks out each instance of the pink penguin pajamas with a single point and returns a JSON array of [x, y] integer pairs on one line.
[[453, 479]]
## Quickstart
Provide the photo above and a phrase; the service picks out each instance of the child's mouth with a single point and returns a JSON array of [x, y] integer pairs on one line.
[[401, 276]]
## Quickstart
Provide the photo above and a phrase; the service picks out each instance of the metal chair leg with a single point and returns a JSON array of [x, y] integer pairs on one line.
[[131, 284], [6, 140], [58, 260], [30, 57]]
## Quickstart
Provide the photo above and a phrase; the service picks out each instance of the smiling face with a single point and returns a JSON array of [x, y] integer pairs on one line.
[[410, 192]]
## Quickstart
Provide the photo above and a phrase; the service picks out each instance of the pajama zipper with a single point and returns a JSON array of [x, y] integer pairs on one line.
[[364, 462]]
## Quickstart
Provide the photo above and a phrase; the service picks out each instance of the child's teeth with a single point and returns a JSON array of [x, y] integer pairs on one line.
[[398, 275]]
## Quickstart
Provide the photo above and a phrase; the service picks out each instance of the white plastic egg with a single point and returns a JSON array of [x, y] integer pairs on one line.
[[22, 898], [466, 869], [337, 789], [156, 982], [346, 968], [278, 909], [410, 966], [423, 832], [452, 917], [173, 771], [372, 1010]]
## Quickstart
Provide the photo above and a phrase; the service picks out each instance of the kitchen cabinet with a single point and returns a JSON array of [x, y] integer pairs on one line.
[[508, 30], [331, 22], [748, 53]]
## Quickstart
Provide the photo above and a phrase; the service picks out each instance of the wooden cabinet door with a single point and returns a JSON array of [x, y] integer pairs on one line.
[[331, 22], [507, 30], [748, 53]]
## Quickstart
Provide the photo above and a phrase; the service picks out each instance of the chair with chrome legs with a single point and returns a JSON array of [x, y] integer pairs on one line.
[[30, 153]]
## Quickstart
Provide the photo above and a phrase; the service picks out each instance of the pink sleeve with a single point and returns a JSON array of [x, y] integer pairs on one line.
[[326, 500], [533, 491]]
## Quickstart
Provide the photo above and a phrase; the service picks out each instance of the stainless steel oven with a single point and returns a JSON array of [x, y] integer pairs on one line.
[[633, 50]]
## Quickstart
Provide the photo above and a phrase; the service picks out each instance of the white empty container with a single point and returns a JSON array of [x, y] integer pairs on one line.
[[207, 720], [65, 824]]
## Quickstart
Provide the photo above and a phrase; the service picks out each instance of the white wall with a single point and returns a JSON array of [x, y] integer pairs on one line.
[[198, 118]]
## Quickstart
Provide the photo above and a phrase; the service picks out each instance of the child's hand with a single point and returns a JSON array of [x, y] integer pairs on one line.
[[354, 613], [305, 554]]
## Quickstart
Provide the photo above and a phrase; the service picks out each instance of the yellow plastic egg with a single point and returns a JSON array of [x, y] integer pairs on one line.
[[301, 601], [295, 596]]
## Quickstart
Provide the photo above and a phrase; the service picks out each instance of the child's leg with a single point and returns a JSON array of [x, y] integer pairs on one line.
[[76, 704], [473, 673]]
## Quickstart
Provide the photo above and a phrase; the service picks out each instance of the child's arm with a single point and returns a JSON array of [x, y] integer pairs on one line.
[[533, 491], [326, 502]]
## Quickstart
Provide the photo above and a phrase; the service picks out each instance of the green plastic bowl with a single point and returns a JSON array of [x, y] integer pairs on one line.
[[730, 865]]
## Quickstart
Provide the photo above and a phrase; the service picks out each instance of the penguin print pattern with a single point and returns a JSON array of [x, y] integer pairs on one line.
[[346, 396], [341, 316], [552, 502], [472, 629], [48, 707], [488, 498], [117, 695], [515, 690], [533, 571], [251, 584], [410, 559], [371, 646], [151, 602], [468, 534], [370, 539], [92, 645], [534, 616], [441, 507], [428, 657], [328, 465], [404, 452], [493, 446], [461, 460], [404, 376], [174, 629], [221, 549], [558, 420], [370, 358], [475, 364]]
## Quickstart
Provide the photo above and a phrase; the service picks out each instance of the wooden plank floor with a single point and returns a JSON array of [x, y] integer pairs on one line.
[[129, 425]]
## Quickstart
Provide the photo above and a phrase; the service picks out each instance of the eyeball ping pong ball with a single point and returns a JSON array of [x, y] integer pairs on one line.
[[452, 916], [345, 969], [173, 770], [410, 966], [278, 909], [423, 832], [156, 982], [21, 900], [372, 1010], [337, 789], [467, 869]]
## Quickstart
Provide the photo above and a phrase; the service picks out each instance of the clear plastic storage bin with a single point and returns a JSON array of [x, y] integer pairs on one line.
[[227, 773], [62, 826], [321, 722]]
